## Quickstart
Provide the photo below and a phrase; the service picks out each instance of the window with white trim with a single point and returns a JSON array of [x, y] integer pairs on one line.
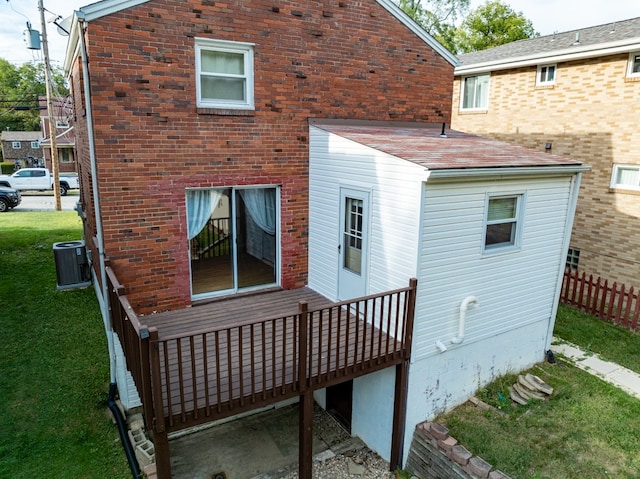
[[16, 145], [224, 73], [625, 177], [633, 70], [502, 222], [475, 93], [546, 75], [35, 145]]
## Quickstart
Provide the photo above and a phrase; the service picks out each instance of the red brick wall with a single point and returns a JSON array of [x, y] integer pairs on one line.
[[323, 59]]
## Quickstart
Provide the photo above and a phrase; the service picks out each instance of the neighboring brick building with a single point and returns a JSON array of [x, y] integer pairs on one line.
[[65, 136], [158, 134], [22, 146], [574, 94]]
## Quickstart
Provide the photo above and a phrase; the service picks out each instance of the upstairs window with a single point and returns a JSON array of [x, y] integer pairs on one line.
[[475, 93], [626, 177], [35, 145], [16, 145], [546, 75], [633, 69], [502, 222], [224, 74]]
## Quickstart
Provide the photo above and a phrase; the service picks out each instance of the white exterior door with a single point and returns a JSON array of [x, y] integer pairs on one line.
[[354, 243]]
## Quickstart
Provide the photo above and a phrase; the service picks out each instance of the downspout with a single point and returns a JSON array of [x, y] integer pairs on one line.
[[573, 202], [102, 293], [469, 300]]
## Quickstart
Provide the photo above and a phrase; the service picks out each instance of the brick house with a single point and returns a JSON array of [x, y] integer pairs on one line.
[[259, 184], [21, 146], [575, 94], [65, 137]]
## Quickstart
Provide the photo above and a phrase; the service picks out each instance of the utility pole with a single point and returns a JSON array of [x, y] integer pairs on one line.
[[50, 111]]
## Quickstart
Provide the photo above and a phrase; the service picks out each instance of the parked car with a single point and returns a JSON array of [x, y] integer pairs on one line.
[[9, 198], [39, 179]]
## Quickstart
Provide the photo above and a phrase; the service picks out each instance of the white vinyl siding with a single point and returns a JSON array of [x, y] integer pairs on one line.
[[513, 289], [394, 217]]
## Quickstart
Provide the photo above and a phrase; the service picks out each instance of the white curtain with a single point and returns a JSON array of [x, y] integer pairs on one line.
[[261, 206], [200, 206]]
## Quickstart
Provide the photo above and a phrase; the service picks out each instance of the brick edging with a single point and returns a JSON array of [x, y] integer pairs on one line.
[[459, 458]]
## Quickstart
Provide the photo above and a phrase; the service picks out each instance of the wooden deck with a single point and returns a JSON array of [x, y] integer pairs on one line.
[[233, 355]]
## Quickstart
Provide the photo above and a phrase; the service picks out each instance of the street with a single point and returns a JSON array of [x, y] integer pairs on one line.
[[44, 201]]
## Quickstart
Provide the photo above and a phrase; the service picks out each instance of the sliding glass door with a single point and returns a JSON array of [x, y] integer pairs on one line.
[[232, 239]]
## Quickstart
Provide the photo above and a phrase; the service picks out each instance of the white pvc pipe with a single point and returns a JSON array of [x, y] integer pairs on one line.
[[469, 300]]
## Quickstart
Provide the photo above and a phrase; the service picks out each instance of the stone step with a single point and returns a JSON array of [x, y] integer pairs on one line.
[[539, 384]]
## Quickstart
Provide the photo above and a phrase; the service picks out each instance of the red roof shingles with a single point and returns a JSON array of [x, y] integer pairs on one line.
[[424, 146]]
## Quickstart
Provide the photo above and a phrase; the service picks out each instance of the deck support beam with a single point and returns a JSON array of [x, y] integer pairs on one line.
[[399, 416], [305, 444], [163, 457]]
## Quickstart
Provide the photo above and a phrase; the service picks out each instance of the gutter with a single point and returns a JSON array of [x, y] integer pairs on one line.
[[573, 203], [102, 291], [504, 173], [554, 56]]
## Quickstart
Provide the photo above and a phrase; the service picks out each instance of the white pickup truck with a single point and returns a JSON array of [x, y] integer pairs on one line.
[[39, 179]]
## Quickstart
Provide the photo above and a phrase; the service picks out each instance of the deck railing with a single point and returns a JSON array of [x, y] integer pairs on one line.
[[134, 338], [217, 372], [198, 376]]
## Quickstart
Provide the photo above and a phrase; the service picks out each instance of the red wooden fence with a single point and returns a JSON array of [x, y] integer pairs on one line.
[[614, 303]]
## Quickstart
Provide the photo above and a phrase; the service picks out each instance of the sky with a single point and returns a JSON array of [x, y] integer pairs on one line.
[[547, 16]]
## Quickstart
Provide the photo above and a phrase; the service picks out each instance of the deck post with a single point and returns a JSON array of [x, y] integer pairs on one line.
[[305, 404], [305, 445], [402, 376], [399, 413], [160, 435]]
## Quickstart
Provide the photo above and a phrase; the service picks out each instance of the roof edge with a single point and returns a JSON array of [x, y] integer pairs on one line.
[[397, 12], [506, 172], [555, 56], [106, 7]]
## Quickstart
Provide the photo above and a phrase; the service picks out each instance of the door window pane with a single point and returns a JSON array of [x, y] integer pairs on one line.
[[354, 209]]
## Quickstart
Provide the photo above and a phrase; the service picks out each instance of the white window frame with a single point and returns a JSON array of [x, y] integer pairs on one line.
[[483, 106], [623, 186], [16, 145], [517, 221], [245, 49], [35, 145], [632, 59], [542, 75], [62, 124]]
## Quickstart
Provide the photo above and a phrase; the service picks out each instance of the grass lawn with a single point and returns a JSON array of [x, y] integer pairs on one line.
[[54, 361], [588, 429]]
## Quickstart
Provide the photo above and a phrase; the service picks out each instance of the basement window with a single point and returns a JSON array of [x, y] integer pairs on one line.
[[224, 73], [502, 222], [573, 258]]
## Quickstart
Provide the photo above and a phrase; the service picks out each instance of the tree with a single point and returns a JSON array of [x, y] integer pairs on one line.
[[437, 17], [491, 25], [20, 87]]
